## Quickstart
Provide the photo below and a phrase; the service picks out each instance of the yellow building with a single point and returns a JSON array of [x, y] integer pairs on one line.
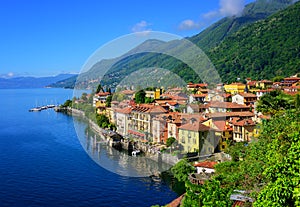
[[264, 84], [196, 137], [200, 88], [244, 130], [235, 88], [223, 132], [154, 94], [141, 125]]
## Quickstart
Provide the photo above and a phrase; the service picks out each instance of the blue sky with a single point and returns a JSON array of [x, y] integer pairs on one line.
[[41, 38]]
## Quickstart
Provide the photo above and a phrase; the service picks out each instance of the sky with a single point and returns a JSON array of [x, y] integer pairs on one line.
[[49, 37]]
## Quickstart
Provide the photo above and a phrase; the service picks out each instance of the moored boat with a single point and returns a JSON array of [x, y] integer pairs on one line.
[[36, 109]]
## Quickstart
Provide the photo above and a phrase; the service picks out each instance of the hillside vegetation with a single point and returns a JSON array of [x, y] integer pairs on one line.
[[262, 50], [261, 9]]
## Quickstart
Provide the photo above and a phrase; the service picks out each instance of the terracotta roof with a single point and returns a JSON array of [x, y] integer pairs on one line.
[[221, 125], [266, 81], [126, 110], [206, 164], [243, 122], [248, 95], [195, 107], [230, 114], [128, 92], [238, 203], [149, 108], [176, 202], [172, 103], [178, 98], [102, 94], [158, 109], [136, 133], [226, 95], [196, 85], [227, 105], [251, 83], [265, 117], [292, 78], [199, 95], [197, 127]]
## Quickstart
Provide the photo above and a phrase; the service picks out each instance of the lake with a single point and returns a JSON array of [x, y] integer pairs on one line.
[[44, 161]]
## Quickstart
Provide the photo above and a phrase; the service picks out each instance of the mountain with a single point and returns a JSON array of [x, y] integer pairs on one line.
[[252, 12], [230, 44], [262, 50], [31, 82]]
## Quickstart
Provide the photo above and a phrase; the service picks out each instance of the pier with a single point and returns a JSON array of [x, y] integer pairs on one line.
[[40, 108]]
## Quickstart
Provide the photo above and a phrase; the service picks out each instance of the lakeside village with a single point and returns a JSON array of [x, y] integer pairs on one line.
[[196, 121]]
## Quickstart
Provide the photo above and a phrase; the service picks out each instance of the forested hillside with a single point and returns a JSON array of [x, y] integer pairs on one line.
[[262, 50], [253, 12]]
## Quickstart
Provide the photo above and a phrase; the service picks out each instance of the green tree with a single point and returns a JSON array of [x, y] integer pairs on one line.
[[140, 97], [102, 121], [108, 101], [282, 161], [297, 101], [278, 78], [68, 103], [273, 102], [84, 96], [182, 169], [99, 88], [170, 141], [149, 100]]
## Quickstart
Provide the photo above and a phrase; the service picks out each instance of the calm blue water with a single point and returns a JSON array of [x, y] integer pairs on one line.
[[42, 162]]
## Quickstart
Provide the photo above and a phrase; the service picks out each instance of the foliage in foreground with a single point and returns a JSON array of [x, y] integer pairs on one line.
[[269, 168]]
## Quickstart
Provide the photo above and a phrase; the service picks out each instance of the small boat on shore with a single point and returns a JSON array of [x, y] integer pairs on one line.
[[156, 178], [51, 106], [135, 152], [36, 109]]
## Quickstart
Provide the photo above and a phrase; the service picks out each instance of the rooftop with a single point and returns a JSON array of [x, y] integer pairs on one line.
[[248, 95], [197, 127], [206, 164], [227, 105]]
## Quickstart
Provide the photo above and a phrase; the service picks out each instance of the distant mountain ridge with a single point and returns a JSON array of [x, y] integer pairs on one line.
[[211, 41], [31, 82]]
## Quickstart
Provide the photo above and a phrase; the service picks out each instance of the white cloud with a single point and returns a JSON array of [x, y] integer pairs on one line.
[[231, 7], [189, 25], [226, 8], [7, 75], [141, 27], [11, 74]]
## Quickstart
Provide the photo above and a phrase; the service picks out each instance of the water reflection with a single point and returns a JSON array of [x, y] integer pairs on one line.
[[113, 160]]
